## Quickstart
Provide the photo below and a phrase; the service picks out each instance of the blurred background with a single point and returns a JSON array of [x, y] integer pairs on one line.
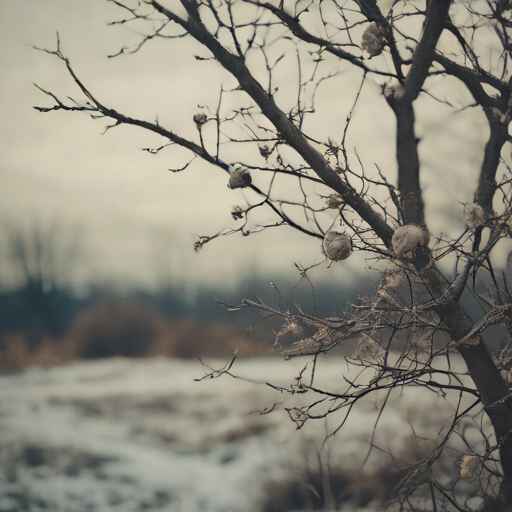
[[90, 222], [105, 307]]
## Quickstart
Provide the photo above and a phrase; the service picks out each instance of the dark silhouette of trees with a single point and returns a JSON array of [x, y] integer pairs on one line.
[[416, 308], [41, 257]]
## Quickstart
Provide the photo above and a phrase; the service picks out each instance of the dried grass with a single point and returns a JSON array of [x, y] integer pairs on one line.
[[129, 328]]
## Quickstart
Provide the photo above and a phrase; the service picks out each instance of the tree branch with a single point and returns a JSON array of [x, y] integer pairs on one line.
[[286, 128], [435, 20], [498, 123], [473, 81], [401, 100]]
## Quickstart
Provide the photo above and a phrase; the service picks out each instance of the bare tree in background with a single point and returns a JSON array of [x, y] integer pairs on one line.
[[40, 259], [416, 308]]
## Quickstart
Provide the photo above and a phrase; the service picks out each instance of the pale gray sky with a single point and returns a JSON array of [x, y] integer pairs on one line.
[[141, 220]]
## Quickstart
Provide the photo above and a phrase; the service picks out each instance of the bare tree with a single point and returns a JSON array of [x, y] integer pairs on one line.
[[39, 259], [416, 308]]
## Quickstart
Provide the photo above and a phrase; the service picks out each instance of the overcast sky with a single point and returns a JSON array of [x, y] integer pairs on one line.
[[139, 220]]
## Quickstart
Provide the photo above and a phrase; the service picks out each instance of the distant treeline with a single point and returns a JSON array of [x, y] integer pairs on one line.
[[38, 325], [33, 309]]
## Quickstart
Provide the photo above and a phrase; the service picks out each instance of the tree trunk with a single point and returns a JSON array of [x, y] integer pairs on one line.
[[482, 367]]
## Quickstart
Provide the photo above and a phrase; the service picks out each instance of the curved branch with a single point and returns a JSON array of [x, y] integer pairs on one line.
[[300, 32], [472, 80], [373, 13], [498, 122], [286, 128]]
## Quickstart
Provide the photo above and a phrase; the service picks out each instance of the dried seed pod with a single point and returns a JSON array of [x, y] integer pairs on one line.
[[332, 146], [394, 91], [474, 216], [406, 238], [337, 246], [374, 39], [200, 119], [470, 467], [334, 201], [237, 212], [240, 178], [264, 151]]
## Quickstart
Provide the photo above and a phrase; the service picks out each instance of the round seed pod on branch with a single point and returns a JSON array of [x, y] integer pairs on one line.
[[394, 91], [374, 40], [474, 216], [240, 178], [200, 119], [265, 151], [237, 212], [337, 246], [406, 238]]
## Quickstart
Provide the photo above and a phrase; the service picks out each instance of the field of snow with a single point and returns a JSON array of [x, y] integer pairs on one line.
[[133, 434]]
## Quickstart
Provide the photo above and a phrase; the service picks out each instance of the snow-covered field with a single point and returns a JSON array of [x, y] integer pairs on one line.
[[128, 434]]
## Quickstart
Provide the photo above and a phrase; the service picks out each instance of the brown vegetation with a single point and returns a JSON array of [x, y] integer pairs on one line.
[[311, 485], [130, 328], [316, 482], [305, 490]]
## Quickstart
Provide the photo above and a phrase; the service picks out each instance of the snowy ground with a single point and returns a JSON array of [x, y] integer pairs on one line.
[[127, 435]]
